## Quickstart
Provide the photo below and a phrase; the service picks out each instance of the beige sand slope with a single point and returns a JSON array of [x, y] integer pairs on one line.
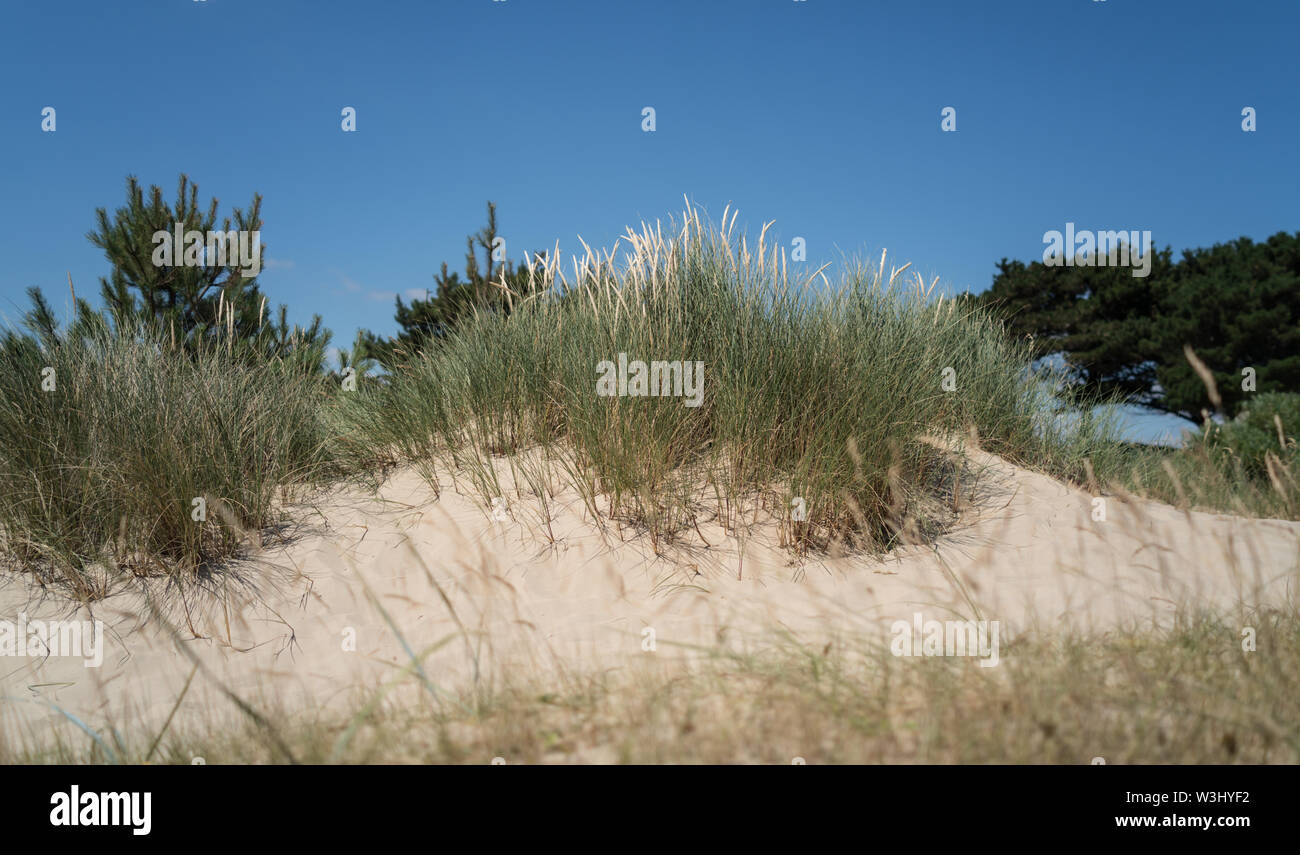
[[374, 578]]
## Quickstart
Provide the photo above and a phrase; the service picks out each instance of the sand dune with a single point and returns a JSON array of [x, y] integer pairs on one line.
[[400, 572]]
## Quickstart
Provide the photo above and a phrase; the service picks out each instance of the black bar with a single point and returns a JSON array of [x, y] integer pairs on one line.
[[225, 805]]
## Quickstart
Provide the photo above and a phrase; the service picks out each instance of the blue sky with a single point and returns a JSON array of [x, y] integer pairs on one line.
[[822, 115]]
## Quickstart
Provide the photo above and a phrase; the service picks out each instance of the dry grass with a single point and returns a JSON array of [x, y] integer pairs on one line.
[[1185, 694]]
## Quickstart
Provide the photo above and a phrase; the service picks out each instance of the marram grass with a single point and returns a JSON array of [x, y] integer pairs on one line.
[[121, 453], [821, 401]]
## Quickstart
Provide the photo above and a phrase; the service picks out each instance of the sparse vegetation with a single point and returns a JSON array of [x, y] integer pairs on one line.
[[1246, 466], [1183, 694], [855, 396]]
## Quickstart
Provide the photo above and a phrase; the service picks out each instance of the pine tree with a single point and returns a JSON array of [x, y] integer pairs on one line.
[[1237, 305], [188, 303], [496, 287]]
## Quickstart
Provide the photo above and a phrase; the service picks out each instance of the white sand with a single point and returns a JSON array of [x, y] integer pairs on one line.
[[1030, 554]]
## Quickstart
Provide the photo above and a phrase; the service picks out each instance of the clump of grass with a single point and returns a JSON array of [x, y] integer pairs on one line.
[[1202, 478], [827, 393], [1248, 466], [107, 436], [1264, 431]]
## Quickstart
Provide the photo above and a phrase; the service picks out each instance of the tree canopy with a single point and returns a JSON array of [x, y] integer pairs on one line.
[[1237, 305], [190, 301]]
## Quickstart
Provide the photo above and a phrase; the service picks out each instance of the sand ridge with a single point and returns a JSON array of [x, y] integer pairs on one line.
[[373, 579]]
